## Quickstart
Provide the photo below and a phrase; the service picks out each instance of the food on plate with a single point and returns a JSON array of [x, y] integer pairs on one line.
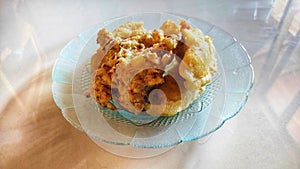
[[158, 72]]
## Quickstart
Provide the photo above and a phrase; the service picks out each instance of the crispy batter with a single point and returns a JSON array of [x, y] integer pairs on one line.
[[170, 28], [141, 83], [131, 62]]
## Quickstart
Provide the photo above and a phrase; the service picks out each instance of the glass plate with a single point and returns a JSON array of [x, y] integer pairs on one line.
[[224, 97]]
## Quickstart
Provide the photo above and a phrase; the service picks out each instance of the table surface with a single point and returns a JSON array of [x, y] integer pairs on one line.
[[34, 134]]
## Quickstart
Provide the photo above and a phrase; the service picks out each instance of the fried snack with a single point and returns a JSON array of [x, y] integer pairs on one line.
[[159, 71]]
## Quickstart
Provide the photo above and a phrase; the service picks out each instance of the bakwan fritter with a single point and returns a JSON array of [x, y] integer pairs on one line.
[[159, 71]]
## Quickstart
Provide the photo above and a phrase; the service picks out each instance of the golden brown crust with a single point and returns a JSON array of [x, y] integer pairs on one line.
[[132, 62]]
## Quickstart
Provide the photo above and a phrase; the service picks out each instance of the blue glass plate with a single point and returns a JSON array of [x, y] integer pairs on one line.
[[224, 96]]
